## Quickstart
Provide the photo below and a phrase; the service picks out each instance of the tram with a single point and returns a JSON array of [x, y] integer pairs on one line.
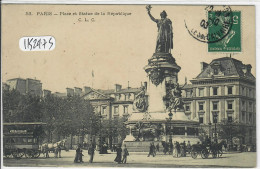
[[22, 139]]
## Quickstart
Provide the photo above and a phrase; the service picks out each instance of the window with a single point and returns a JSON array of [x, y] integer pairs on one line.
[[201, 106], [228, 70], [201, 92], [243, 91], [230, 91], [188, 93], [201, 119], [250, 118], [229, 118], [187, 107], [95, 109], [215, 118], [250, 106], [125, 109], [243, 116], [230, 105], [215, 71], [250, 92], [215, 91], [243, 105], [117, 97], [116, 109], [104, 109], [215, 105]]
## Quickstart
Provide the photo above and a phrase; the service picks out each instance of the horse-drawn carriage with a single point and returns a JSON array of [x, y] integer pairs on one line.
[[22, 139], [206, 149]]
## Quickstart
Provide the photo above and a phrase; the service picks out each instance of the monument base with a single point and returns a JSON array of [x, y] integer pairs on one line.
[[144, 146]]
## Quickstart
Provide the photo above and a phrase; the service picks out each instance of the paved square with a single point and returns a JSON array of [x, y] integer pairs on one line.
[[245, 159]]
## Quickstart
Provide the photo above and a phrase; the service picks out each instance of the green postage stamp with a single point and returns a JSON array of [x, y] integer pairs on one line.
[[232, 40]]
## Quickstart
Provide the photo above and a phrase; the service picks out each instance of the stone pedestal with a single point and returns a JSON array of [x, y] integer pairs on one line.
[[153, 118]]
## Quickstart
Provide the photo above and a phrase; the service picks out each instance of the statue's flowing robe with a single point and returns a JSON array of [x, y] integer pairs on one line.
[[165, 36]]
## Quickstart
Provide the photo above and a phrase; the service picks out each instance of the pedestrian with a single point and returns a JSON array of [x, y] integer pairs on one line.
[[154, 150], [184, 149], [46, 150], [151, 150], [59, 151], [166, 147], [157, 147], [76, 160], [113, 148], [125, 153], [91, 152], [174, 153], [56, 152], [178, 149], [189, 147], [80, 156], [171, 148], [118, 154]]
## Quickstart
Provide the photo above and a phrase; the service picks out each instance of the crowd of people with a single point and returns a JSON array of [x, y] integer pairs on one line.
[[121, 153], [176, 149]]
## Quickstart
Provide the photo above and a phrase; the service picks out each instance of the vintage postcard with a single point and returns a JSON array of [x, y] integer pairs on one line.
[[128, 85]]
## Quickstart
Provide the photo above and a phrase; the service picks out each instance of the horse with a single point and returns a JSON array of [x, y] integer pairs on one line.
[[54, 147]]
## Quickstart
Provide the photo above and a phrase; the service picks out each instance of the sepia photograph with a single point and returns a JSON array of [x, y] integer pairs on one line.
[[117, 85]]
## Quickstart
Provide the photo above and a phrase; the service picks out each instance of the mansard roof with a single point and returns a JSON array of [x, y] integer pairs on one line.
[[226, 67], [121, 91]]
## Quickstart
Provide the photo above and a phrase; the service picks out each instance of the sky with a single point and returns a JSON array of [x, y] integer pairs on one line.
[[115, 48]]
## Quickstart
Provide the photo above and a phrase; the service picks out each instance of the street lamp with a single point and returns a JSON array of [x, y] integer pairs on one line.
[[170, 119], [100, 134], [215, 120], [230, 129]]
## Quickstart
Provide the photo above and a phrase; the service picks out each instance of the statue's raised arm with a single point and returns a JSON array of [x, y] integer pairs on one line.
[[148, 7]]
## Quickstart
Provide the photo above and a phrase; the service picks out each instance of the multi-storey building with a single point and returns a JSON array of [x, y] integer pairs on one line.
[[112, 103], [224, 88], [24, 86]]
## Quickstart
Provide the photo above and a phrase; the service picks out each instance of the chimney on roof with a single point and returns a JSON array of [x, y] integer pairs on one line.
[[128, 87], [203, 66], [86, 89], [248, 67], [70, 92], [145, 85], [46, 92], [77, 91], [118, 87]]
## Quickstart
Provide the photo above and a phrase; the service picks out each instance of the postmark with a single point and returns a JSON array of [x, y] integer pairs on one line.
[[214, 24]]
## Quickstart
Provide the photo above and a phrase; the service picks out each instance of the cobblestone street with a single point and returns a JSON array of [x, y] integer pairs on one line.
[[246, 159]]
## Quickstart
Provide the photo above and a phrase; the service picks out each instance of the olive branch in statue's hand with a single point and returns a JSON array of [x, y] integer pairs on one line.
[[148, 7]]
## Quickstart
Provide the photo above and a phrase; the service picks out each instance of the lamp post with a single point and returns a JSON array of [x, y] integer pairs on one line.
[[170, 119], [230, 126], [100, 134], [215, 120]]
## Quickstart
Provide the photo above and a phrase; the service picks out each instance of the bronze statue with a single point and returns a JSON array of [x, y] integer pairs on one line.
[[164, 42], [140, 102], [176, 100], [173, 96]]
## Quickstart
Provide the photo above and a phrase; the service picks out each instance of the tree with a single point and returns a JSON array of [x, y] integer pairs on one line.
[[21, 108], [230, 130]]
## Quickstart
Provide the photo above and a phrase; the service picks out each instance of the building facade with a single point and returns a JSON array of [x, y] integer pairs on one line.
[[25, 86], [224, 90]]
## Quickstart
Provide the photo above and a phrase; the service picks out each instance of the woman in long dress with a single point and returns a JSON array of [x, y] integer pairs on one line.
[[118, 154]]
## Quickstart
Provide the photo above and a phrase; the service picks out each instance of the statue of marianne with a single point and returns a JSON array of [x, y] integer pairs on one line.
[[164, 42]]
